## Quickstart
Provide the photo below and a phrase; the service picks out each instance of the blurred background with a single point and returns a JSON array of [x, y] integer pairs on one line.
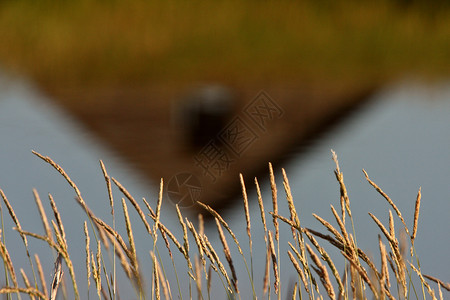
[[196, 92]]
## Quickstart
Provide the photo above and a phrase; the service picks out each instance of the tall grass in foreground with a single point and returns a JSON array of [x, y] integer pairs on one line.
[[318, 277]]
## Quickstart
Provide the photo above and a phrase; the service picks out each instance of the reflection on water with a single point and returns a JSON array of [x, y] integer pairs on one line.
[[402, 140]]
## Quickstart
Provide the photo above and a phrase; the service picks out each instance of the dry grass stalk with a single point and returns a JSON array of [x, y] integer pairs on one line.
[[16, 221], [41, 275], [321, 270], [391, 225], [331, 229], [343, 189], [416, 216], [217, 261], [294, 292], [197, 241], [299, 270], [57, 276], [158, 208], [224, 224], [115, 234], [201, 225], [380, 191], [391, 239], [132, 246], [26, 281], [208, 280], [198, 277], [183, 226], [341, 226], [29, 291], [424, 282], [330, 263], [261, 208], [273, 187], [122, 257], [438, 281], [134, 203], [108, 186], [99, 268], [290, 200], [267, 271], [155, 275], [88, 262], [165, 230], [384, 279], [7, 260], [42, 213], [247, 213], [397, 255], [291, 223], [276, 284], [58, 218], [95, 274], [62, 172], [226, 251], [362, 272]]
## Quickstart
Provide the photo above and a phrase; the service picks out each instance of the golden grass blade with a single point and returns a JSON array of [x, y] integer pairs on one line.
[[425, 283], [197, 241], [224, 224], [226, 251], [247, 213], [261, 208], [132, 246], [44, 219], [217, 260], [108, 186], [331, 229], [26, 281], [380, 191], [294, 292], [156, 276], [341, 226], [58, 218], [290, 200], [28, 291], [158, 207], [343, 189], [438, 281], [416, 216], [88, 263], [183, 226], [362, 272], [24, 237], [7, 260], [274, 263], [198, 277], [273, 187], [267, 271], [328, 260], [322, 272], [41, 275], [391, 240], [299, 270], [60, 171], [134, 203]]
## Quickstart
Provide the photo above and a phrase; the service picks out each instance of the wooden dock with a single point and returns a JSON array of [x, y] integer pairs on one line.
[[266, 124]]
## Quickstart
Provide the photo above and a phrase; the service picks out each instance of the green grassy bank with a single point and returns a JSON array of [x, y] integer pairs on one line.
[[105, 43]]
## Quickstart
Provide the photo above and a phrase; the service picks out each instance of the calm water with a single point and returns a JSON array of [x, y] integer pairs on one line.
[[402, 140]]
